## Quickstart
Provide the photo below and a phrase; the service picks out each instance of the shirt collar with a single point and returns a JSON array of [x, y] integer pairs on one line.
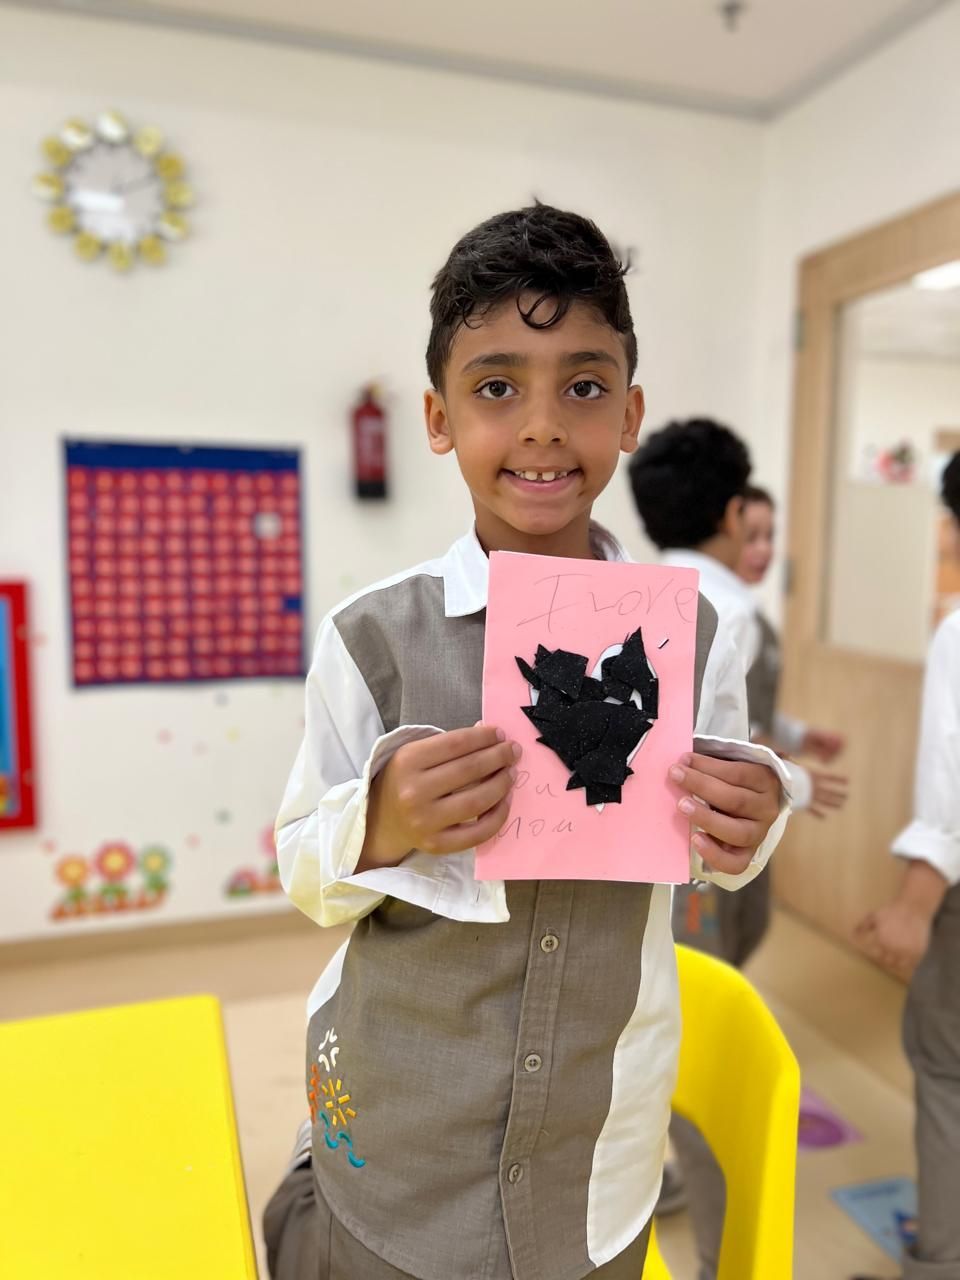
[[466, 569], [710, 570]]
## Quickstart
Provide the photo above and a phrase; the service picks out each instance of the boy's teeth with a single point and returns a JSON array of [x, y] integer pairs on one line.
[[546, 476]]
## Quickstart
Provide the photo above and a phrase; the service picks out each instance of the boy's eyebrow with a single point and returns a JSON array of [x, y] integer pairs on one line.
[[590, 357], [514, 360], [495, 360]]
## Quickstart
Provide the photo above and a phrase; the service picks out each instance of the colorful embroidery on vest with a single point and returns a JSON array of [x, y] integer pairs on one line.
[[329, 1100]]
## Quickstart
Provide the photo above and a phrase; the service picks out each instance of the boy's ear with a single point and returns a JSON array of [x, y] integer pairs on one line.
[[632, 419], [438, 424], [732, 522]]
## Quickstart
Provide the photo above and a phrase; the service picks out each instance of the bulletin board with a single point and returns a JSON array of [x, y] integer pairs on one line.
[[184, 562], [17, 785]]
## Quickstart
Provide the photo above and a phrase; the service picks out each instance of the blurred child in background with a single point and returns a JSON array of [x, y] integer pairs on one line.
[[691, 489], [918, 936], [813, 789]]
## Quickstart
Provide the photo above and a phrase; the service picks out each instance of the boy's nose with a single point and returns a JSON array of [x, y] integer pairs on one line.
[[543, 427]]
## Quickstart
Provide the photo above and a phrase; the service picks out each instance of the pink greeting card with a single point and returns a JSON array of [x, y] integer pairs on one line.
[[589, 666]]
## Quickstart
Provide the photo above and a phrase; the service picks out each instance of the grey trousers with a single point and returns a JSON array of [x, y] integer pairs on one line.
[[732, 926], [931, 1036], [306, 1242]]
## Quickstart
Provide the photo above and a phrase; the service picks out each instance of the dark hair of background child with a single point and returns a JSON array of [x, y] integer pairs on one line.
[[531, 257], [753, 493], [950, 486], [683, 478]]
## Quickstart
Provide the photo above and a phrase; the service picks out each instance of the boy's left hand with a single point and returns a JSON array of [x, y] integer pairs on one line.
[[733, 804]]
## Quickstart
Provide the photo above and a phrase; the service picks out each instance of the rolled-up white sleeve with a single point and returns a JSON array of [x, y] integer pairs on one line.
[[801, 785], [722, 730], [934, 834], [788, 734], [322, 821]]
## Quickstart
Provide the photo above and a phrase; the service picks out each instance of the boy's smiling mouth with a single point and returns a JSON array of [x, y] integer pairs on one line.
[[545, 479]]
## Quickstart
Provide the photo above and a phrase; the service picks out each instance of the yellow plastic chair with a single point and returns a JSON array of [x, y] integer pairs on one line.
[[739, 1083], [120, 1152]]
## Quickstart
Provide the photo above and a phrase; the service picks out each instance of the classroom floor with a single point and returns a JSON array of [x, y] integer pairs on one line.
[[840, 1014]]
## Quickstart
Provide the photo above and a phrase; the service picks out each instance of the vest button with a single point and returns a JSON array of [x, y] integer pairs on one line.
[[549, 942], [532, 1062], [514, 1173]]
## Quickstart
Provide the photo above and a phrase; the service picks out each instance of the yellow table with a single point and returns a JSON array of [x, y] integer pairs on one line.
[[118, 1148]]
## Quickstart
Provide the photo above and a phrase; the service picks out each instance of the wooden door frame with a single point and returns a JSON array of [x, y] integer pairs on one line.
[[832, 873], [880, 258]]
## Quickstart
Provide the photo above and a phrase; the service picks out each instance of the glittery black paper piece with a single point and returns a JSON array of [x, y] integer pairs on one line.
[[576, 718]]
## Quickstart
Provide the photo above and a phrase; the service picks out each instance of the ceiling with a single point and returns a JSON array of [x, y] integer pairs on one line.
[[677, 52], [909, 323]]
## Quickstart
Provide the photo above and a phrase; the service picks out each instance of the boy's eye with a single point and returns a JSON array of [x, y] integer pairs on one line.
[[495, 389], [587, 389]]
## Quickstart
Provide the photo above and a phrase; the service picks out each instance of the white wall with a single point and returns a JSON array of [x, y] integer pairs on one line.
[[329, 192], [877, 142], [883, 548]]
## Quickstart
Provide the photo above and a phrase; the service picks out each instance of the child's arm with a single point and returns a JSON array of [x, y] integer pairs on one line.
[[796, 738], [333, 811], [898, 934], [813, 790]]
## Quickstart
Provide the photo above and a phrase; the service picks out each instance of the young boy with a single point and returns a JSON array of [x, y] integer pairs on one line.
[[767, 723], [689, 483], [918, 934], [490, 1065], [691, 488]]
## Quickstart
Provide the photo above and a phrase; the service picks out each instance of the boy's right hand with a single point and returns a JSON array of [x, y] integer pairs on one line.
[[441, 795], [829, 792], [823, 743], [896, 935]]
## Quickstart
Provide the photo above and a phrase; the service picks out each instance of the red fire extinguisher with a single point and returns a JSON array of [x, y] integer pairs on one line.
[[370, 446]]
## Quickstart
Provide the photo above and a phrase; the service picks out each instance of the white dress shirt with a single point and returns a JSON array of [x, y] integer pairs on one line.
[[320, 835], [737, 611], [934, 834], [321, 825]]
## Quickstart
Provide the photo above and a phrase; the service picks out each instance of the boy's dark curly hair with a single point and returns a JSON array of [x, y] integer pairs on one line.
[[683, 478], [557, 257], [950, 486]]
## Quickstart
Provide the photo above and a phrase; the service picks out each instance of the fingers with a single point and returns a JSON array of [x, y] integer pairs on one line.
[[737, 773], [738, 833], [827, 746], [730, 788], [452, 810], [443, 747], [467, 770], [830, 790], [469, 834], [866, 926], [719, 856], [829, 793]]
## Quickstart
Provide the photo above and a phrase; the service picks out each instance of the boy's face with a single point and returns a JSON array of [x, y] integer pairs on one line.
[[538, 419], [757, 550]]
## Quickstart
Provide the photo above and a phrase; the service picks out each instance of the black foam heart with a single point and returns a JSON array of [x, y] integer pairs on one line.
[[593, 725]]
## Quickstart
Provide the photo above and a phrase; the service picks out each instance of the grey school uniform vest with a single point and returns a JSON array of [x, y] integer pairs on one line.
[[472, 1062], [705, 917], [763, 679]]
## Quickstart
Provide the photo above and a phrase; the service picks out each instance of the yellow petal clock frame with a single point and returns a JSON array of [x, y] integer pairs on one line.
[[53, 186]]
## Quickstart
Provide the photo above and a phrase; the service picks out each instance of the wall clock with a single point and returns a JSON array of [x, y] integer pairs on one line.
[[116, 191]]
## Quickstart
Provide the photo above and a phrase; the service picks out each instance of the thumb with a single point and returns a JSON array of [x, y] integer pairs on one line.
[[867, 925]]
